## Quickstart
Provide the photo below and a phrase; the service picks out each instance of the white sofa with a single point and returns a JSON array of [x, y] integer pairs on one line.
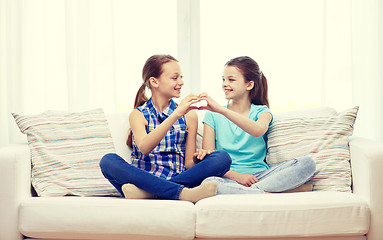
[[306, 215]]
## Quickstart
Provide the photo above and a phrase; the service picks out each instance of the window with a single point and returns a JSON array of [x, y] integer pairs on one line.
[[142, 29], [286, 41]]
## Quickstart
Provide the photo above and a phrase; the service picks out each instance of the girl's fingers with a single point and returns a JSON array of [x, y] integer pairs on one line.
[[203, 108], [200, 154], [192, 101], [197, 154]]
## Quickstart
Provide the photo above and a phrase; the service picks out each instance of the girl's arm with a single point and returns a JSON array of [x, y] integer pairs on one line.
[[147, 142], [208, 142], [192, 124], [255, 128]]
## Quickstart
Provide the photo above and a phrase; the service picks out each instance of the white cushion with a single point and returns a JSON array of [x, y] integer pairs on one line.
[[286, 214], [119, 128], [106, 218]]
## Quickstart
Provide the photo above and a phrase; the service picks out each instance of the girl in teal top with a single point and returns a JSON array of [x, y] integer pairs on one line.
[[247, 151], [239, 128]]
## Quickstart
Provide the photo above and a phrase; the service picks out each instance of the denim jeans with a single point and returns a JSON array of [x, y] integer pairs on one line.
[[285, 176], [120, 172]]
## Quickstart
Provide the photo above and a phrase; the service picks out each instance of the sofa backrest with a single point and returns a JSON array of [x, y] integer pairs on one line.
[[119, 126]]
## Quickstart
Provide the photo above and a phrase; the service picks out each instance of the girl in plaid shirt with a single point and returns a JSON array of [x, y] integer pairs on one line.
[[163, 140]]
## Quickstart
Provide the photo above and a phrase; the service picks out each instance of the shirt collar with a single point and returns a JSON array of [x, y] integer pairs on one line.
[[166, 113]]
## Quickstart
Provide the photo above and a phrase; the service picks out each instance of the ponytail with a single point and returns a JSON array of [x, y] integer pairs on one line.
[[260, 95], [141, 97]]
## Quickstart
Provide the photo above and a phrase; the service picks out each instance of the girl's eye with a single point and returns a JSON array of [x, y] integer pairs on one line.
[[229, 79]]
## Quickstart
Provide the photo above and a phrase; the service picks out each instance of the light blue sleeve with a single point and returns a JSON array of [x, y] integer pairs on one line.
[[262, 109], [209, 119]]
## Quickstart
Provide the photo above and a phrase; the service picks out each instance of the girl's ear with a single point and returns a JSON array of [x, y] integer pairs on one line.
[[250, 85], [153, 82]]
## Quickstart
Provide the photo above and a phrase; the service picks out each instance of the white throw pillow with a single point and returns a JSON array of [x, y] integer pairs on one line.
[[325, 139], [66, 149]]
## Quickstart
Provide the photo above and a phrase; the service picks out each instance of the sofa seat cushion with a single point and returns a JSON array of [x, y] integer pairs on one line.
[[106, 218], [286, 214]]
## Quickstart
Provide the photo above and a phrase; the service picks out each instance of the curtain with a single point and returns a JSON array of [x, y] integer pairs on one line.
[[9, 59], [79, 55], [55, 55], [70, 55]]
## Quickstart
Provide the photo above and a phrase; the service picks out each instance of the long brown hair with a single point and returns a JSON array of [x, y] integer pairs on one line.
[[251, 72], [152, 68]]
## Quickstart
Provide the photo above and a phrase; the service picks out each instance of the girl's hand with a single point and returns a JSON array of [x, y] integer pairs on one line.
[[200, 154], [184, 106], [245, 179], [212, 105]]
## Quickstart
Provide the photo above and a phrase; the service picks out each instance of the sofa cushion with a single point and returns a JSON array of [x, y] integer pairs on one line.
[[66, 149], [106, 218], [286, 214], [119, 128], [324, 138]]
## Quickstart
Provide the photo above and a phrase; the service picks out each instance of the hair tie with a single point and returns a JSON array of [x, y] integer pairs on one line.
[[260, 74]]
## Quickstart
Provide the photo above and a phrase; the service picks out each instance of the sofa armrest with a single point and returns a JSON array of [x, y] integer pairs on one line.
[[15, 185], [367, 169]]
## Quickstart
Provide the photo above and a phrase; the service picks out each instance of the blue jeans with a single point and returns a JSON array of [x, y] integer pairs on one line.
[[283, 177], [119, 172]]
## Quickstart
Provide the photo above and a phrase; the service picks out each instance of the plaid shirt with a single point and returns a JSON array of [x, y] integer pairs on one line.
[[167, 158]]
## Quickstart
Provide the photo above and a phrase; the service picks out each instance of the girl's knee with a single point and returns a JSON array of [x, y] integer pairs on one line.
[[106, 160], [223, 157], [308, 163]]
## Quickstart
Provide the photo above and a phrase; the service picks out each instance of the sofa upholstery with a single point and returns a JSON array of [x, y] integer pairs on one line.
[[305, 215]]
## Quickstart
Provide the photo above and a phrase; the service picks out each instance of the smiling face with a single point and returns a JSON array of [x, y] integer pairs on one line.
[[234, 84], [170, 81]]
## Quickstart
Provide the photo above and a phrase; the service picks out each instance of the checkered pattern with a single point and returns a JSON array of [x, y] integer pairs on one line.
[[167, 159]]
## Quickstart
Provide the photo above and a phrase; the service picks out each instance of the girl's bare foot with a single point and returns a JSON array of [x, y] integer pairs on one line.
[[206, 189], [132, 192]]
